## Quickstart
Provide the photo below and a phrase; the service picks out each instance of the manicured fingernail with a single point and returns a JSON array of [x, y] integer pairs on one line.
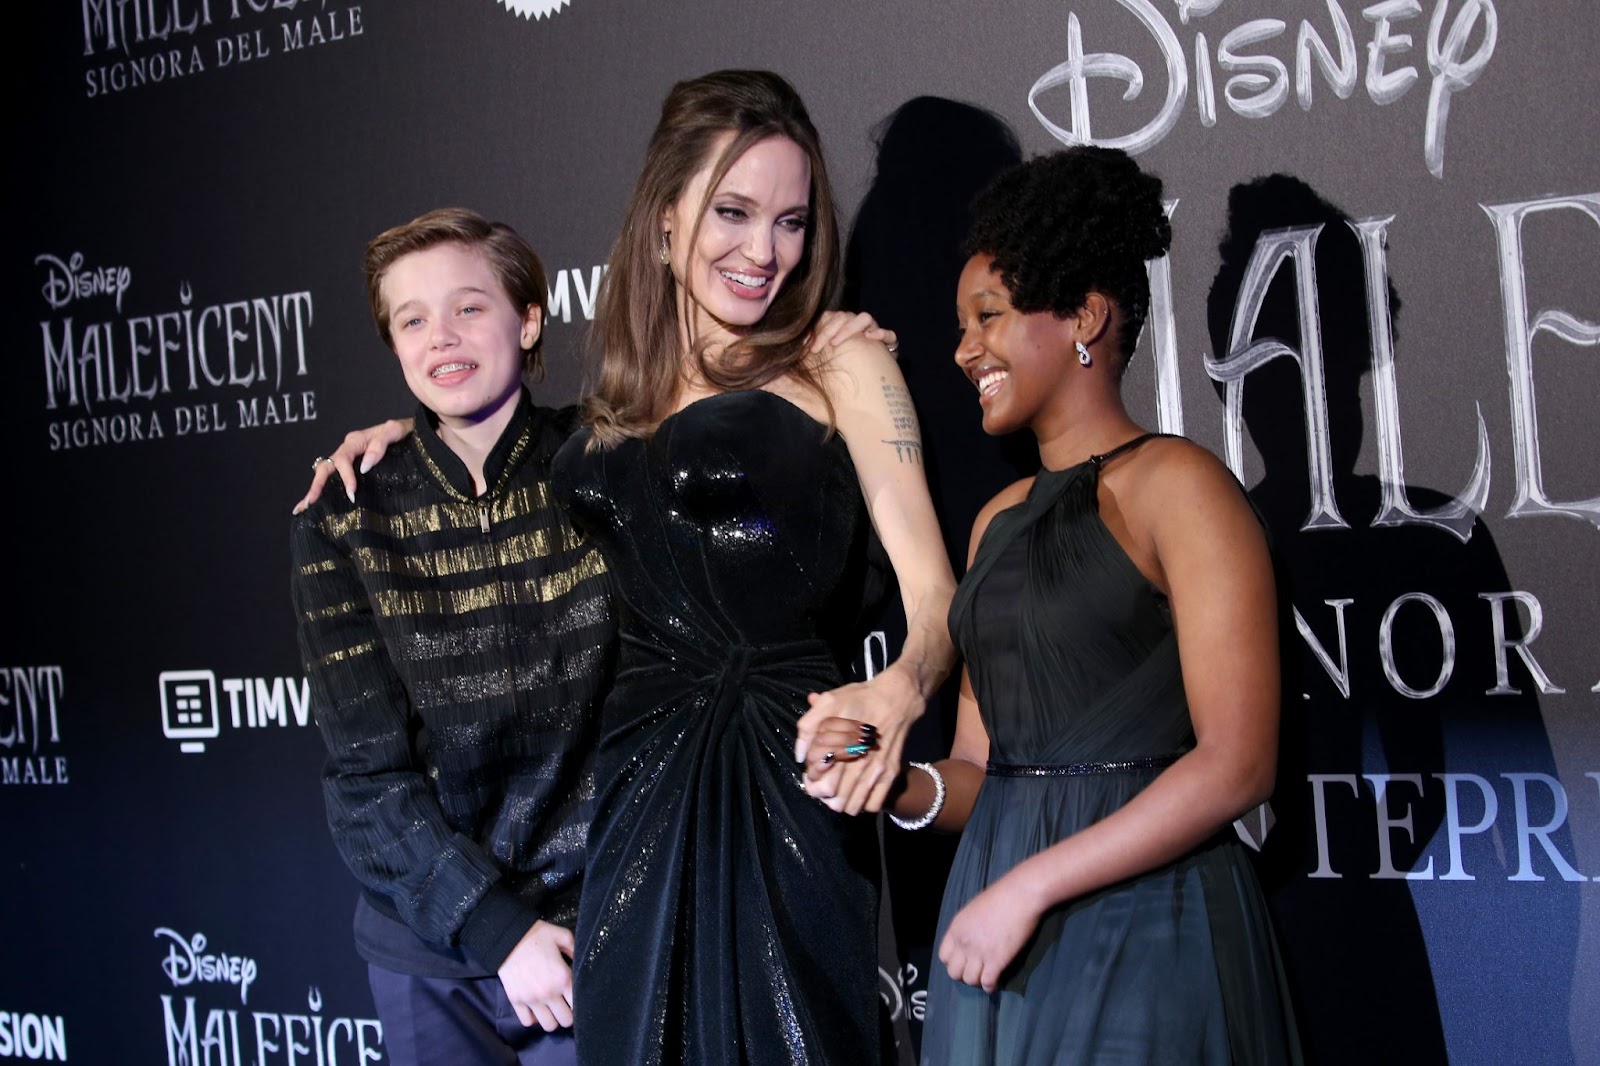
[[301, 506], [366, 464], [350, 493]]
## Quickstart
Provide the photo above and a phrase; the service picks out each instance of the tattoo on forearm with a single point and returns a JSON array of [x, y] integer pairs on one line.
[[908, 443], [907, 451]]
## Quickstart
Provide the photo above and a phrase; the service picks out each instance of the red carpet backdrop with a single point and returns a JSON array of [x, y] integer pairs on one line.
[[1381, 307]]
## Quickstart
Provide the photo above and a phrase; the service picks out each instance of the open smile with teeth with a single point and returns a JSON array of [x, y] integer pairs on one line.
[[989, 381], [450, 368], [748, 281]]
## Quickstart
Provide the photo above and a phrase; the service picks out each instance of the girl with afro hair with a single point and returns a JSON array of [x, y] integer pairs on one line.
[[1120, 704]]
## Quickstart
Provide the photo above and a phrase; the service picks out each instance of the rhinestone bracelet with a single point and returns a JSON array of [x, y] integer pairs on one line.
[[924, 820]]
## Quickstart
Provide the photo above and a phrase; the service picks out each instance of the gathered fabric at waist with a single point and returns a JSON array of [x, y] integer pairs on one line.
[[720, 685], [1080, 769], [729, 662]]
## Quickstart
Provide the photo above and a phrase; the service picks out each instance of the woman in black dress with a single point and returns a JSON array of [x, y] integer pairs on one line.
[[728, 474]]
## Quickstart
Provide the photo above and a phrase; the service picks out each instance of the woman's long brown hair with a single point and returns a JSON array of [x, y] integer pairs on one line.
[[636, 334]]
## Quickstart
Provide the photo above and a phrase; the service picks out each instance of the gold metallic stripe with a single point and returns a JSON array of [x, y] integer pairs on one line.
[[319, 568], [395, 602], [524, 500], [430, 519], [537, 545], [446, 562], [345, 653], [347, 607], [435, 517], [434, 564], [552, 586]]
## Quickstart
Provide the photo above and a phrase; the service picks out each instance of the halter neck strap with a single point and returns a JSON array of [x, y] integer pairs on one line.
[[1097, 461]]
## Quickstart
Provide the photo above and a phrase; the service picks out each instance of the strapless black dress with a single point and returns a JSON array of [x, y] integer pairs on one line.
[[726, 917]]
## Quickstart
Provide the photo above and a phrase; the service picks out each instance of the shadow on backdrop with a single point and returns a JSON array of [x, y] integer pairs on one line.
[[1349, 927], [901, 264]]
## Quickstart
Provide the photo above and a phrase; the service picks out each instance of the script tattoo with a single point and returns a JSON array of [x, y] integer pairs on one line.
[[908, 440]]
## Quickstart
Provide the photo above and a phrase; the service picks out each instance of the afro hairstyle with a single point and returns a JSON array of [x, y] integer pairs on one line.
[[1078, 220]]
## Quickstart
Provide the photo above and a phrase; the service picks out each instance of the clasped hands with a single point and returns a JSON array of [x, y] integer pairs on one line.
[[851, 739]]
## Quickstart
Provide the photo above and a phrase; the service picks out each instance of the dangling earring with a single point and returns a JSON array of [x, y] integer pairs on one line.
[[666, 250], [1084, 358]]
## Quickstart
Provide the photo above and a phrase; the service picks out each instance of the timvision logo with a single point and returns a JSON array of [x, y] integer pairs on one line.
[[40, 1037], [192, 714], [537, 9]]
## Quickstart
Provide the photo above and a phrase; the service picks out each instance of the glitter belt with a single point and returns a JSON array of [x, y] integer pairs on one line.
[[1077, 769]]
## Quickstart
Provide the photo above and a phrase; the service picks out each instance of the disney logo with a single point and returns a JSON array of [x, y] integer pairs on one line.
[[895, 991], [187, 962], [68, 281], [1256, 83]]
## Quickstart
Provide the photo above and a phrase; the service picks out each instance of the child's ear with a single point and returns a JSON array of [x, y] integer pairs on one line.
[[532, 326]]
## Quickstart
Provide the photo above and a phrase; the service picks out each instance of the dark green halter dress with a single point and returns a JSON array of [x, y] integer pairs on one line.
[[1075, 665]]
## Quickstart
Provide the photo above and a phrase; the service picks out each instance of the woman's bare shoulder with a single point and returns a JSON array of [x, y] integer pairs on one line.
[[1169, 467], [1182, 490]]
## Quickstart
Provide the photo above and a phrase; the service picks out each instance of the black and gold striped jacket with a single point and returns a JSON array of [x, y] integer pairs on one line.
[[457, 648]]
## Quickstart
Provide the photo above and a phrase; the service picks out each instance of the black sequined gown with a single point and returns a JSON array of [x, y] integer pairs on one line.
[[726, 916]]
